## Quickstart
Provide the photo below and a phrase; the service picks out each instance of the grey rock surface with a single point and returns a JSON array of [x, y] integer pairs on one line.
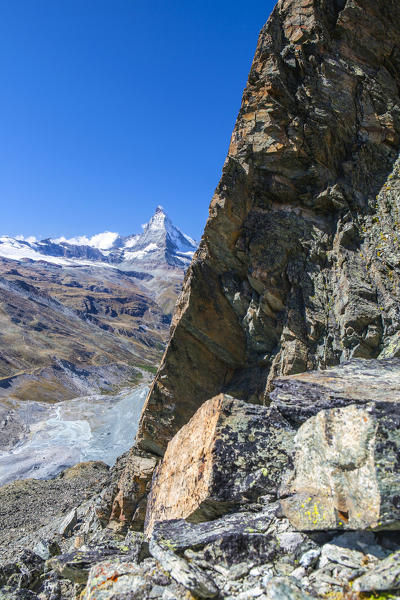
[[280, 588], [385, 576], [190, 576], [358, 382], [346, 469]]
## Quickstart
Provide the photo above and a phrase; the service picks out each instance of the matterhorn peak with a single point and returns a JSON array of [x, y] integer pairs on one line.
[[159, 243], [158, 220]]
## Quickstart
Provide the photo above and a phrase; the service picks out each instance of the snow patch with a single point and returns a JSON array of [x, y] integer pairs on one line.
[[132, 241], [129, 254]]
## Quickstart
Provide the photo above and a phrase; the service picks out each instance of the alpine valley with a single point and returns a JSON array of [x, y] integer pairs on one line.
[[85, 314]]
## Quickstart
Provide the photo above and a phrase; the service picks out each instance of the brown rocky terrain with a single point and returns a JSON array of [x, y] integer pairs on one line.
[[60, 322]]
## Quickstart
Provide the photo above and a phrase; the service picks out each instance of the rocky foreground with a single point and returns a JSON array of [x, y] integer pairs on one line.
[[299, 499]]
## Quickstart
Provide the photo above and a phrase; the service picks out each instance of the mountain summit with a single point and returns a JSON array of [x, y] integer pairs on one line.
[[160, 245], [87, 302]]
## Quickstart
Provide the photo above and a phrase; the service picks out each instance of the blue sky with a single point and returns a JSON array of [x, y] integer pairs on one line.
[[110, 107]]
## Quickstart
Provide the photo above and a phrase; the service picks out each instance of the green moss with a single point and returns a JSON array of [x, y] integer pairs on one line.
[[168, 544], [376, 596]]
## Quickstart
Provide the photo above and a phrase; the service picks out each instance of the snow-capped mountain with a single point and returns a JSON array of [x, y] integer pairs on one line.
[[161, 244], [93, 303]]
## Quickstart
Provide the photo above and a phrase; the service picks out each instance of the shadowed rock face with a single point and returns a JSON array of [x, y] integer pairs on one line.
[[299, 264]]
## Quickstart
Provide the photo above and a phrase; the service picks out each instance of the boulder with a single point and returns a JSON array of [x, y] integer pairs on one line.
[[328, 445], [46, 548], [75, 566], [123, 502], [117, 579], [359, 382], [68, 523], [182, 535], [226, 541], [346, 469], [385, 576], [228, 453]]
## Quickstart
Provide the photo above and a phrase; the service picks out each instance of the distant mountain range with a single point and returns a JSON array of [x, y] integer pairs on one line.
[[87, 311], [160, 244]]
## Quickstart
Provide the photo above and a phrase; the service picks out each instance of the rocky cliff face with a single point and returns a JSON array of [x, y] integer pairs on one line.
[[299, 264]]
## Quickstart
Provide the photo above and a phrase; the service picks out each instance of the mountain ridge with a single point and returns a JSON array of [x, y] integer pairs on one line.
[[87, 306], [159, 241]]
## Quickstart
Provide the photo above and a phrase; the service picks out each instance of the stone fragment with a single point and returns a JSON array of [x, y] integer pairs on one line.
[[190, 576], [119, 579], [238, 571], [125, 503], [51, 589], [115, 579], [310, 558], [75, 566], [7, 593], [281, 588], [363, 541], [255, 592], [24, 572], [299, 573], [343, 556], [68, 523], [339, 566], [290, 541], [229, 452], [346, 471], [46, 548], [385, 576], [169, 595], [133, 544]]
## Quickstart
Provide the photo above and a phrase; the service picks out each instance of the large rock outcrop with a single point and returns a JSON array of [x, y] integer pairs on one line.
[[228, 453], [299, 264], [327, 447]]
